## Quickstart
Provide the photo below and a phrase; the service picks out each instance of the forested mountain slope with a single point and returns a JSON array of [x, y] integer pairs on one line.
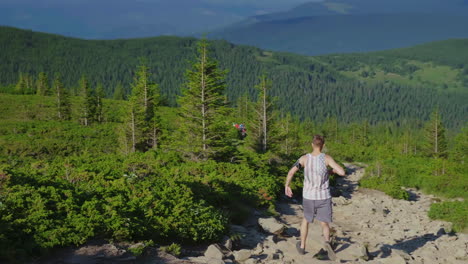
[[309, 87]]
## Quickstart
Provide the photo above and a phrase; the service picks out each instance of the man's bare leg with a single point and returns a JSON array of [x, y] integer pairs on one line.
[[326, 237], [325, 231], [304, 232]]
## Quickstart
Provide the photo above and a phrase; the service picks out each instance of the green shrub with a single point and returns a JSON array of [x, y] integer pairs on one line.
[[455, 212], [173, 249]]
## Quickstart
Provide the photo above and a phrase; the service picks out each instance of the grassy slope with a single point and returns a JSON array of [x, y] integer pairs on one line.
[[441, 65]]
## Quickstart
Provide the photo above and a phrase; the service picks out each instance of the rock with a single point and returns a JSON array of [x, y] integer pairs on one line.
[[247, 237], [271, 225], [242, 255], [214, 252], [251, 261], [258, 250], [393, 259], [227, 243], [214, 261], [365, 252], [401, 253]]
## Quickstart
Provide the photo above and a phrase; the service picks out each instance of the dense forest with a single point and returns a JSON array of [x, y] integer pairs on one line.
[[78, 166], [311, 88]]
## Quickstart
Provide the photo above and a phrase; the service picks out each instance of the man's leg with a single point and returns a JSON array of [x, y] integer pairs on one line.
[[304, 232], [326, 237], [325, 231]]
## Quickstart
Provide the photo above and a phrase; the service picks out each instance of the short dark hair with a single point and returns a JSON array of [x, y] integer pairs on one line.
[[318, 141]]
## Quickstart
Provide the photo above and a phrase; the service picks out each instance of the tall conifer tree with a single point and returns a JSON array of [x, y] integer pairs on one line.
[[42, 84], [99, 103], [263, 134], [88, 103], [63, 101], [203, 108], [142, 122], [435, 141]]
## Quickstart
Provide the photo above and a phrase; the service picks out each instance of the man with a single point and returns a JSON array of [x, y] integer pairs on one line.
[[316, 192]]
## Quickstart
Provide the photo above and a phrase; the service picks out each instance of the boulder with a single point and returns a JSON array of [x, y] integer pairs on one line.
[[251, 261], [214, 252], [215, 261], [242, 255], [227, 243], [271, 225]]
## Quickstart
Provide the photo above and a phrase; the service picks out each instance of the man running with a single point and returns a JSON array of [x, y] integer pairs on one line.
[[316, 192]]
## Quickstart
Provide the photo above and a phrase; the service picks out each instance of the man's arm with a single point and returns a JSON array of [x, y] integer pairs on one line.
[[298, 165], [336, 168]]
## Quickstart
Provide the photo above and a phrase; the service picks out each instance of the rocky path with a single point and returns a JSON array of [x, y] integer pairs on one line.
[[370, 227]]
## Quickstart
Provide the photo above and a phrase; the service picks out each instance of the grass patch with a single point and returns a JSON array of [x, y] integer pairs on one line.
[[455, 212]]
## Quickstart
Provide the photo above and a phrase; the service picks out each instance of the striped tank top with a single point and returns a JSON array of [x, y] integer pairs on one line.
[[316, 186]]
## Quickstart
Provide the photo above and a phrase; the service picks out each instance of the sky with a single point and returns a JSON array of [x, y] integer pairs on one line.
[[133, 18]]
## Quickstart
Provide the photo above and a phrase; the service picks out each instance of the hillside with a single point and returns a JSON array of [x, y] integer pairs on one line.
[[308, 87], [441, 64], [70, 192]]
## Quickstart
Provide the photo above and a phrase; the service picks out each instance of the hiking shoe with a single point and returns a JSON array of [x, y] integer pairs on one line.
[[330, 252], [299, 249]]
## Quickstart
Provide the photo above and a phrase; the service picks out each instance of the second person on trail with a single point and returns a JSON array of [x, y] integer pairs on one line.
[[316, 200]]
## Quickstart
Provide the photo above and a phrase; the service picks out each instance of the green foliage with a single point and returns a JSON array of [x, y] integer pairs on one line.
[[62, 97], [263, 136], [173, 249], [383, 179], [436, 144], [203, 108], [42, 85], [142, 125], [455, 212]]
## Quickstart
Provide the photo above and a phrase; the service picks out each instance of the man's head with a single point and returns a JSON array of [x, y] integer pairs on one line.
[[318, 142]]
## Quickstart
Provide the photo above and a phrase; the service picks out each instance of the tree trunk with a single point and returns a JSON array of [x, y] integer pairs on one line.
[[133, 132]]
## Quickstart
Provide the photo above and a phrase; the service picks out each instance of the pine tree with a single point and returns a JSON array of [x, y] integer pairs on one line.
[[263, 134], [88, 103], [435, 142], [42, 84], [290, 134], [119, 92], [99, 103], [142, 122], [63, 103], [21, 86], [203, 108]]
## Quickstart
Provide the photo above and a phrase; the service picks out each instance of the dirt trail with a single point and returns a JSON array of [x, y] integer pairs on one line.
[[395, 231], [368, 223]]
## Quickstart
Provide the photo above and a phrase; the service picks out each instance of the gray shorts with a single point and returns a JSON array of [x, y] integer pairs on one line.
[[318, 209]]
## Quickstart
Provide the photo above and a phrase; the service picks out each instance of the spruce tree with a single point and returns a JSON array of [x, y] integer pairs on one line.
[[119, 93], [99, 103], [21, 85], [42, 84], [142, 125], [263, 136], [203, 108], [63, 102], [435, 144], [87, 103]]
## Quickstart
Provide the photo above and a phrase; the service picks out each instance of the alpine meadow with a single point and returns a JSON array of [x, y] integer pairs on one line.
[[173, 142]]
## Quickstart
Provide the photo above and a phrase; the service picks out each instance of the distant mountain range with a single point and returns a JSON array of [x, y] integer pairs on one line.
[[111, 19], [335, 26]]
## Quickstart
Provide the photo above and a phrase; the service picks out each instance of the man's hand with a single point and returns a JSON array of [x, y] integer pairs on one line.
[[288, 191]]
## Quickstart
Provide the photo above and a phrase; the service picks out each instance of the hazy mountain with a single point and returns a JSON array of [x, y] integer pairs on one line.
[[132, 18], [352, 26]]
